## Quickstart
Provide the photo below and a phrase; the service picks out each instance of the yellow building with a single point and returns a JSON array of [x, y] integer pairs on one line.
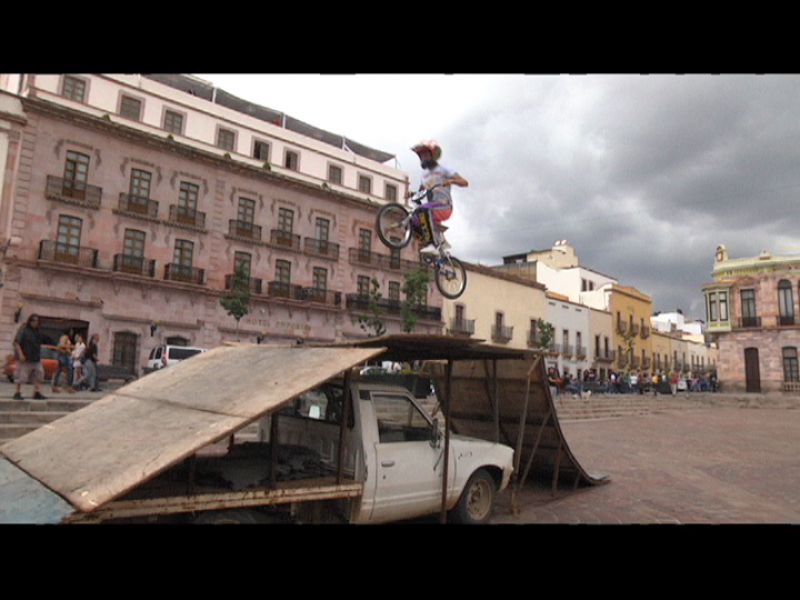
[[496, 307], [631, 310]]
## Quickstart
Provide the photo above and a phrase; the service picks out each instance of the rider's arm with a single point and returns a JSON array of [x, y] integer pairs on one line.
[[456, 179]]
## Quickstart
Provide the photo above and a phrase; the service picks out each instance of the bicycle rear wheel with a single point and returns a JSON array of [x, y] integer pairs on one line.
[[451, 277], [393, 225]]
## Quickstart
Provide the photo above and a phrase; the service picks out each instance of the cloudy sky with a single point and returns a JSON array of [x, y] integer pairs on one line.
[[643, 175]]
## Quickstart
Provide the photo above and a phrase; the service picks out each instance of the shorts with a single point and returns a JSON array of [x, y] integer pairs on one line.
[[26, 369], [439, 212]]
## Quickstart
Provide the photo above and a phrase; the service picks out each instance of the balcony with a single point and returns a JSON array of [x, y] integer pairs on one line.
[[244, 230], [253, 284], [622, 326], [580, 352], [502, 334], [280, 289], [73, 192], [320, 296], [462, 327], [606, 355], [635, 362], [284, 239], [184, 274], [645, 333], [321, 248], [134, 265], [358, 256], [622, 361], [785, 320], [423, 311], [138, 205], [68, 254], [745, 322], [634, 329], [566, 350], [187, 216]]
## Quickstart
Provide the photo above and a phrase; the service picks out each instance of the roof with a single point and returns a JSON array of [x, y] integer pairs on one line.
[[411, 347], [206, 90]]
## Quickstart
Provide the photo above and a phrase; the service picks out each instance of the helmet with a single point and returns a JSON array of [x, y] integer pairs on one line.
[[432, 145]]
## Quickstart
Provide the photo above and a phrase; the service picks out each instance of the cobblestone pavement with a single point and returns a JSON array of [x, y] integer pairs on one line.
[[717, 465]]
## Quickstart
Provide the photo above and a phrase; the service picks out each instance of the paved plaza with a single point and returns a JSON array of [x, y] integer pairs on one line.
[[704, 466]]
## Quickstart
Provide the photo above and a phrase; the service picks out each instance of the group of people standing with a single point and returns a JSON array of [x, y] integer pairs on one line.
[[630, 382], [77, 361]]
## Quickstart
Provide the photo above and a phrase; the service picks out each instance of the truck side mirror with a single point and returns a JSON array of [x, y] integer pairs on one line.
[[436, 435]]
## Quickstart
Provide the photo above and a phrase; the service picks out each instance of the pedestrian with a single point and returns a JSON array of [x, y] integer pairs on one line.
[[64, 349], [674, 378], [28, 348], [89, 378], [77, 360]]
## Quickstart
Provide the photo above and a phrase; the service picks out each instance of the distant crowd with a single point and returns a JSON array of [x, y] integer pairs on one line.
[[632, 382]]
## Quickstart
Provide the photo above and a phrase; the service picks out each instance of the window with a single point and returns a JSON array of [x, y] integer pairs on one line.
[[68, 242], [364, 184], [187, 198], [73, 88], [291, 160], [723, 306], [132, 258], [242, 260], [785, 302], [363, 286], [335, 174], [285, 220], [713, 313], [130, 108], [247, 211], [390, 192], [319, 279], [182, 256], [76, 173], [283, 277], [226, 139], [173, 121], [322, 229], [133, 246], [261, 150], [749, 317], [394, 293], [139, 191], [364, 239], [791, 371], [399, 420]]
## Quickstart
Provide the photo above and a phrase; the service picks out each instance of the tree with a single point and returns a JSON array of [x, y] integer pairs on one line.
[[372, 322], [416, 290], [544, 340], [236, 301]]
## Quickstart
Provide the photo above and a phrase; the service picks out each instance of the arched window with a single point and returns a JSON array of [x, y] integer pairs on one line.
[[785, 302]]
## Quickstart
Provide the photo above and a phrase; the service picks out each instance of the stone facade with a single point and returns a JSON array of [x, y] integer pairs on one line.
[[88, 250]]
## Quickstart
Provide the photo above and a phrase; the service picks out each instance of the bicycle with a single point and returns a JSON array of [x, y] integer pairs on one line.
[[396, 226]]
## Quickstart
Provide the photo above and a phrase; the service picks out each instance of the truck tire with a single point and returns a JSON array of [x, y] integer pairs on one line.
[[477, 500]]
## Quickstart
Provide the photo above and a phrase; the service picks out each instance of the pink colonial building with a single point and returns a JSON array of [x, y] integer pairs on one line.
[[127, 202], [753, 312]]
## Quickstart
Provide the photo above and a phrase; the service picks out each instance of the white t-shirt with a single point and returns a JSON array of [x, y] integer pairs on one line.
[[432, 177]]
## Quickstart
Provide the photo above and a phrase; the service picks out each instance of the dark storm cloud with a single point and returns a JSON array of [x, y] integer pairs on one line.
[[644, 175]]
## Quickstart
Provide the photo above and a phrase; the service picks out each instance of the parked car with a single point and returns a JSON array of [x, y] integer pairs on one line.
[[166, 355], [49, 362]]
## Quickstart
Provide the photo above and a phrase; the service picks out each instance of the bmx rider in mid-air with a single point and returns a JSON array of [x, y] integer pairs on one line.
[[437, 178]]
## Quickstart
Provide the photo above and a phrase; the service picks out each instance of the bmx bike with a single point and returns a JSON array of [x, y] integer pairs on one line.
[[397, 225]]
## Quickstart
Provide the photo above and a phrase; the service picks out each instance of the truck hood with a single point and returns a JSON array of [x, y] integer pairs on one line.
[[98, 453]]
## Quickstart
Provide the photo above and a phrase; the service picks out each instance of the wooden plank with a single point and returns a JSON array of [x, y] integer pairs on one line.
[[100, 452]]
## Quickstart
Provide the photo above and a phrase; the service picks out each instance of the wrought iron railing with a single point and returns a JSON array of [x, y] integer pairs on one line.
[[66, 253], [135, 265], [69, 190], [137, 204], [176, 272]]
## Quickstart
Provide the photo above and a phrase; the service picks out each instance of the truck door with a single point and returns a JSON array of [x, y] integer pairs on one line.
[[409, 470]]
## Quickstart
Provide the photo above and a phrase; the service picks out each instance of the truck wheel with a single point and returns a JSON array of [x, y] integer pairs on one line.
[[477, 500], [240, 516]]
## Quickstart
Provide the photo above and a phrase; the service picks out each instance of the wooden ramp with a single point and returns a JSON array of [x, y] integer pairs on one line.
[[497, 394], [100, 452]]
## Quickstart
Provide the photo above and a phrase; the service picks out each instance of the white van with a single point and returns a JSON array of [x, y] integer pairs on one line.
[[166, 355]]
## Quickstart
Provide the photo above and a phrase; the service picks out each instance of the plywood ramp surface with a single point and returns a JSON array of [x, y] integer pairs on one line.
[[113, 445]]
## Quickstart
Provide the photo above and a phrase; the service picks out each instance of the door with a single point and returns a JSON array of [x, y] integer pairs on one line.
[[408, 468], [126, 353], [752, 373]]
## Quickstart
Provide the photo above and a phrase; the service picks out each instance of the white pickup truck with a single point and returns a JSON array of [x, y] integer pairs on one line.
[[329, 449]]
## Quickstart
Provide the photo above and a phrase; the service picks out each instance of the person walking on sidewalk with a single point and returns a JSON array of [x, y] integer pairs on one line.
[[64, 362], [89, 377], [28, 348]]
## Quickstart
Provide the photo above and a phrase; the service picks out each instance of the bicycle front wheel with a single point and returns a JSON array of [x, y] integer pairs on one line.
[[394, 225], [451, 277]]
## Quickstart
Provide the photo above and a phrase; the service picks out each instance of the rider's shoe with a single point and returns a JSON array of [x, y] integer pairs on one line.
[[429, 249]]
